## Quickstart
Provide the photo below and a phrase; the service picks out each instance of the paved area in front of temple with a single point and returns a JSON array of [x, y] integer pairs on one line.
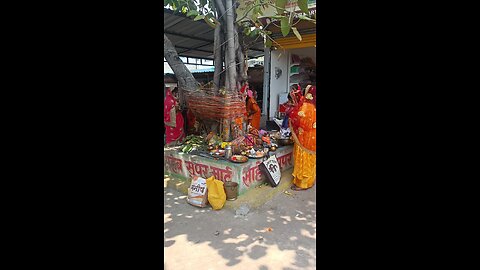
[[279, 234]]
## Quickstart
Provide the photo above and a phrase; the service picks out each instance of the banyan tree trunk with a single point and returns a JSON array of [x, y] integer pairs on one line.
[[230, 55], [217, 55], [186, 81]]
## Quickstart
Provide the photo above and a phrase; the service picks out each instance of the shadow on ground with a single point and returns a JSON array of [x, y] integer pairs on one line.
[[289, 244]]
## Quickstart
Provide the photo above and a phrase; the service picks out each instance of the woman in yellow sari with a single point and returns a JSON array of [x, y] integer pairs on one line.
[[303, 126]]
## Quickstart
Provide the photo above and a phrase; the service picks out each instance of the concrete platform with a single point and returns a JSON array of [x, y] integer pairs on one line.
[[253, 197], [184, 167]]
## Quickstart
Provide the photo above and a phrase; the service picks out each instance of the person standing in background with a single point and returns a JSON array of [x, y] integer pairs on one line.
[[253, 110], [181, 103], [173, 119], [289, 105]]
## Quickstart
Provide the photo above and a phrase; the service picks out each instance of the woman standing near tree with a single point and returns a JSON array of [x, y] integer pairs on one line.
[[303, 125], [173, 119], [294, 97], [253, 110]]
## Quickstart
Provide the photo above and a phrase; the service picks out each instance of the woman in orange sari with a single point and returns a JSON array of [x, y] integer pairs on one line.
[[303, 126], [253, 111]]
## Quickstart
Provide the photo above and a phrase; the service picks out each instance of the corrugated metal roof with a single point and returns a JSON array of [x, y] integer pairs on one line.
[[195, 38]]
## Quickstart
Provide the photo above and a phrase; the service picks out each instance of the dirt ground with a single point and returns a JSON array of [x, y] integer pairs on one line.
[[280, 235]]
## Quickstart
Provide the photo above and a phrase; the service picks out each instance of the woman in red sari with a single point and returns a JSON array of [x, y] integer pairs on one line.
[[173, 119]]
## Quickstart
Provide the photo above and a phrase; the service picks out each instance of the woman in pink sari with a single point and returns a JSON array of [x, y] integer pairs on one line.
[[173, 119]]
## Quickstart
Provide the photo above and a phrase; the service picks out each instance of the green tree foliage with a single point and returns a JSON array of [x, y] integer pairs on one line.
[[285, 17]]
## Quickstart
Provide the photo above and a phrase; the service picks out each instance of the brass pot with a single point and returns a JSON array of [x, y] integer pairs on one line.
[[285, 141]]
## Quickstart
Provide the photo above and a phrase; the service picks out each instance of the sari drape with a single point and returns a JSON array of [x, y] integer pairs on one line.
[[173, 120], [254, 113], [303, 126]]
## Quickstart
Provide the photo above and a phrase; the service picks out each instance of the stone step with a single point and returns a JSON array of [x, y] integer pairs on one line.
[[253, 198]]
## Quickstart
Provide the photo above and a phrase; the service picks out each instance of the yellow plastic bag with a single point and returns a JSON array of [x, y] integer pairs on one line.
[[216, 193]]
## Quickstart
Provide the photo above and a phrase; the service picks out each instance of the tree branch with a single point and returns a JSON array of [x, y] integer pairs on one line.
[[221, 8], [186, 81]]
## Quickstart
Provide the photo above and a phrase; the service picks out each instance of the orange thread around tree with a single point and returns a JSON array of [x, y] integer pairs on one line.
[[205, 104]]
